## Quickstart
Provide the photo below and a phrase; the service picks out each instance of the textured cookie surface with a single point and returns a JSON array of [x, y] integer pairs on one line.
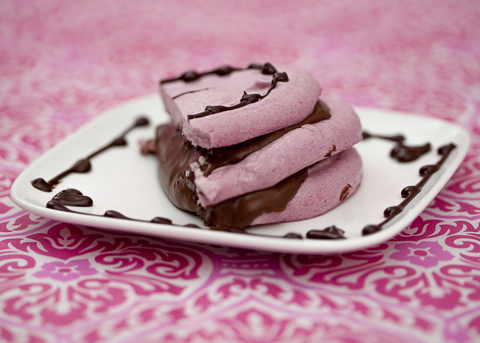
[[287, 103], [285, 156]]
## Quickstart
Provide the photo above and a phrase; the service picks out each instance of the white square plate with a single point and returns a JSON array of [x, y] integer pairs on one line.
[[123, 180]]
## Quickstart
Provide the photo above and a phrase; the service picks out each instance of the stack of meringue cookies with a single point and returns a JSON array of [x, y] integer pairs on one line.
[[255, 145]]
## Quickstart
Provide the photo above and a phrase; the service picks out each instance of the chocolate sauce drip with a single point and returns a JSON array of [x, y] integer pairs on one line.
[[241, 211], [293, 235], [218, 157], [192, 75], [84, 165], [246, 99], [189, 92], [161, 220], [73, 197], [115, 214], [42, 185], [192, 226], [332, 150], [74, 191], [409, 192], [331, 232], [396, 138], [404, 153], [345, 192], [57, 205], [401, 152]]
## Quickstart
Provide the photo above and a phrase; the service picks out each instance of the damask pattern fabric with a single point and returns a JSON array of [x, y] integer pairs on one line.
[[62, 63]]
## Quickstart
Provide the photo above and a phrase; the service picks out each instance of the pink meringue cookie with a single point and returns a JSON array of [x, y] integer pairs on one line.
[[285, 156], [288, 103]]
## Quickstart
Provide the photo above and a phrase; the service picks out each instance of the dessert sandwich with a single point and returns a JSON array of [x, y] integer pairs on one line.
[[255, 145]]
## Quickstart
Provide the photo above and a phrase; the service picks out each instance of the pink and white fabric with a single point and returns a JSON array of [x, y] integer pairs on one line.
[[63, 62]]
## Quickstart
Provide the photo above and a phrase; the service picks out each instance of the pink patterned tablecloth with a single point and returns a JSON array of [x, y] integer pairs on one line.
[[63, 62]]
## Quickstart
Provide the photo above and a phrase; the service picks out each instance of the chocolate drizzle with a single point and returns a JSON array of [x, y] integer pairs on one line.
[[246, 99], [293, 235], [409, 192], [191, 75], [55, 204], [331, 232], [189, 92], [84, 165], [73, 197], [401, 152]]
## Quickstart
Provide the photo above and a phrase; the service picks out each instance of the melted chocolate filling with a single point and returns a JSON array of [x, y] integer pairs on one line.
[[218, 157], [175, 156], [83, 165], [241, 211]]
